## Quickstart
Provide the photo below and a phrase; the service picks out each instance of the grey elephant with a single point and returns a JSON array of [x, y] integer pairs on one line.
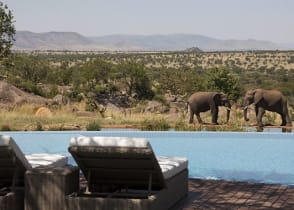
[[204, 101], [270, 100]]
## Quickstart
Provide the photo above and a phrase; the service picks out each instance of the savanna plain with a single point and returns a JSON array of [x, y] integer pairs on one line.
[[79, 90]]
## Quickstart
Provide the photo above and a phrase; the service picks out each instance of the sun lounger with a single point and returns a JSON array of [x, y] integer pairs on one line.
[[124, 173], [13, 165], [13, 168]]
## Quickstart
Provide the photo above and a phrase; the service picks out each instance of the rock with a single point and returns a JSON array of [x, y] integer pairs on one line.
[[43, 112], [156, 107], [60, 99], [10, 94]]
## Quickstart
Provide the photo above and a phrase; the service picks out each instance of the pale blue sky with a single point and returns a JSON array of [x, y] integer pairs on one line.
[[271, 20]]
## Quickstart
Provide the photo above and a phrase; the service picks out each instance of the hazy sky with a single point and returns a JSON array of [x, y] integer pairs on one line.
[[271, 20]]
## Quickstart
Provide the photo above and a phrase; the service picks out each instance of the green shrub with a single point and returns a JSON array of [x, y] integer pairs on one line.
[[161, 99], [100, 89], [29, 86], [5, 128], [53, 91], [94, 126], [91, 105], [39, 126], [155, 125]]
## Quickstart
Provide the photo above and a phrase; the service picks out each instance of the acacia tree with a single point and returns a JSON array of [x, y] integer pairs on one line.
[[7, 31], [221, 79], [136, 79]]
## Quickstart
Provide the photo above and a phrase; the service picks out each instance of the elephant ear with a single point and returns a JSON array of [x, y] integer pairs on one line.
[[257, 96], [217, 98]]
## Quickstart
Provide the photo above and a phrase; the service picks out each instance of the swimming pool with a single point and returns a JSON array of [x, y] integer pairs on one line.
[[238, 156]]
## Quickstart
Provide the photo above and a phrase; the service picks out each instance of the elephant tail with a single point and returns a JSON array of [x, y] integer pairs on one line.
[[187, 107]]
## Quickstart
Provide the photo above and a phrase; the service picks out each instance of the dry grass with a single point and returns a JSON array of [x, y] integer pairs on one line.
[[23, 118]]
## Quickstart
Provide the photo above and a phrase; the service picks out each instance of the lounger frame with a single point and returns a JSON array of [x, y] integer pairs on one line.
[[12, 171], [176, 190], [47, 188], [124, 178]]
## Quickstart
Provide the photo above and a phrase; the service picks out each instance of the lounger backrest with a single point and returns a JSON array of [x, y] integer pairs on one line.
[[113, 163], [13, 164]]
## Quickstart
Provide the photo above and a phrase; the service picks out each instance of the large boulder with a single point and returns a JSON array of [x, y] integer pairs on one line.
[[60, 100], [11, 95], [156, 107], [43, 112]]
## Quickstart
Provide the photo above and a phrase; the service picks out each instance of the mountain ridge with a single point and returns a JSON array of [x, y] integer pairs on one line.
[[27, 40]]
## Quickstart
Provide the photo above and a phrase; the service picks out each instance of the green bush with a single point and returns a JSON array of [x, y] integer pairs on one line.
[[161, 99], [32, 88], [155, 125], [94, 126], [53, 91], [100, 89], [39, 126], [91, 105]]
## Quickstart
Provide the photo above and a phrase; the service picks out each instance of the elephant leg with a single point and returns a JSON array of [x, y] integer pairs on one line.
[[288, 121], [256, 111], [260, 113], [214, 113], [283, 119], [191, 120], [199, 118]]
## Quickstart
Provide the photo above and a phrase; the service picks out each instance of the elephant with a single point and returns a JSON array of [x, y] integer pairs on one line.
[[204, 101], [270, 100]]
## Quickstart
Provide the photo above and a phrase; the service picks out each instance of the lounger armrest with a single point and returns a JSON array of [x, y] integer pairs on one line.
[[50, 186]]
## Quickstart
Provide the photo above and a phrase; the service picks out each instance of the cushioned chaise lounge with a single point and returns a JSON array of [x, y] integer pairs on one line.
[[13, 165], [13, 168], [124, 173]]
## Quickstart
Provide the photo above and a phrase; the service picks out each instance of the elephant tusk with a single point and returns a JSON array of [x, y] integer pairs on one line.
[[229, 109], [246, 107]]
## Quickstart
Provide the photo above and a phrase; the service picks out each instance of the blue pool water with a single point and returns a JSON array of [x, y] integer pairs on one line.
[[239, 156]]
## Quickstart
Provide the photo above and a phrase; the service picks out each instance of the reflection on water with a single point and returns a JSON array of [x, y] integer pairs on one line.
[[245, 129], [268, 129]]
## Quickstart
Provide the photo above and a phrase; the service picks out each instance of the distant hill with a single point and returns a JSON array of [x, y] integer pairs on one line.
[[26, 40], [193, 49]]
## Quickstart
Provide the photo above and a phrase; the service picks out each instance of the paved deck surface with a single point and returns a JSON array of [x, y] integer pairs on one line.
[[212, 194]]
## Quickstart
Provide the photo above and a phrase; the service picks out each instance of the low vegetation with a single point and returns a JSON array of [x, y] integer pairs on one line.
[[115, 89]]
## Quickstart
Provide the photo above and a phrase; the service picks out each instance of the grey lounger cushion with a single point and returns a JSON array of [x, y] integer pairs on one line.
[[8, 141], [46, 160], [169, 165], [33, 160]]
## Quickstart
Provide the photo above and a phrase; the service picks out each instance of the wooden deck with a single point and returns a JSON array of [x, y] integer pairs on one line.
[[223, 195]]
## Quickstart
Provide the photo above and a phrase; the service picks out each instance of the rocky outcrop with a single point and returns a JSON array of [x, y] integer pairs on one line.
[[11, 95]]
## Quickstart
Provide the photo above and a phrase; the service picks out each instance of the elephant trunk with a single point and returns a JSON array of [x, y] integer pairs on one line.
[[228, 114], [245, 113], [228, 107], [187, 107]]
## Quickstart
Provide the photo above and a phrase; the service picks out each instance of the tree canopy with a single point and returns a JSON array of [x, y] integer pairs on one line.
[[104, 76], [221, 79], [7, 30]]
